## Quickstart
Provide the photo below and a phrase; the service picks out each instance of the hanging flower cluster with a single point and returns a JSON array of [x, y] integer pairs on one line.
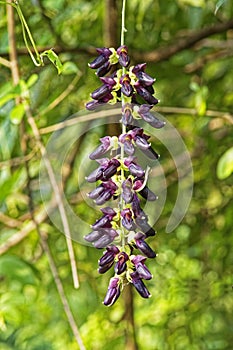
[[123, 230]]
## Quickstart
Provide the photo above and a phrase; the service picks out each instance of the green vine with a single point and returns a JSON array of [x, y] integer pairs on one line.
[[36, 57]]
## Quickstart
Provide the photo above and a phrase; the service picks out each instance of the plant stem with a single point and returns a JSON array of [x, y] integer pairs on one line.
[[123, 128]]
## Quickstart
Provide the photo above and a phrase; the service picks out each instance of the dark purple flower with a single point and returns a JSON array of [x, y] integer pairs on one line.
[[144, 78], [113, 292], [101, 149], [95, 175], [107, 237], [93, 236], [107, 260], [137, 210], [121, 265], [104, 69], [124, 59], [127, 219], [133, 167], [144, 112], [109, 188], [145, 94], [104, 54], [142, 222], [127, 193], [92, 105], [127, 116], [96, 192], [105, 220], [126, 139], [141, 268], [111, 169], [143, 246], [139, 285], [126, 87], [148, 194]]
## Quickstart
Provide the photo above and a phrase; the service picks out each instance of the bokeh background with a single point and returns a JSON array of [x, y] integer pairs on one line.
[[188, 47]]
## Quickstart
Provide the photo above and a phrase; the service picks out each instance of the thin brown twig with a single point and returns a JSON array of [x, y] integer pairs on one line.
[[5, 62], [57, 193], [62, 96], [61, 291], [111, 112], [162, 53]]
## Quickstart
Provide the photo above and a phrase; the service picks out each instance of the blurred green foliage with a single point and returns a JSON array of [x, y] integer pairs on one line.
[[192, 301]]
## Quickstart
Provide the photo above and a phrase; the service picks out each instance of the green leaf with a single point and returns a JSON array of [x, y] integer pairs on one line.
[[69, 68], [15, 268], [225, 164], [53, 57], [218, 5], [32, 80], [17, 113], [6, 98]]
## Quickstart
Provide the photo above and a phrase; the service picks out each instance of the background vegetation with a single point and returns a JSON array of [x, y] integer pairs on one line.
[[189, 47]]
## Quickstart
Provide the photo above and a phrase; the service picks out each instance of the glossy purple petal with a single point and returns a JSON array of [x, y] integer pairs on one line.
[[146, 95], [124, 59], [95, 175], [148, 194], [101, 149], [141, 268], [139, 285], [96, 192], [113, 292], [121, 265]]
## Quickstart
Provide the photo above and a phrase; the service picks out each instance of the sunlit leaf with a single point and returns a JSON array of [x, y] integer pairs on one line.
[[225, 164], [53, 57], [17, 114], [69, 68], [218, 5]]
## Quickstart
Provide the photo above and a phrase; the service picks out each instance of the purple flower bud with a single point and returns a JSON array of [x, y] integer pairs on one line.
[[144, 79], [127, 219], [104, 54], [113, 292], [96, 192], [136, 170], [137, 210], [92, 105], [104, 197], [95, 175], [108, 255], [139, 285], [126, 139], [101, 149], [127, 193], [126, 87], [150, 153], [93, 236], [141, 221], [103, 222], [143, 246], [124, 59], [144, 112], [107, 260], [148, 194], [111, 169], [121, 265], [145, 94], [99, 93], [127, 116], [107, 237], [104, 69], [141, 142], [141, 268]]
